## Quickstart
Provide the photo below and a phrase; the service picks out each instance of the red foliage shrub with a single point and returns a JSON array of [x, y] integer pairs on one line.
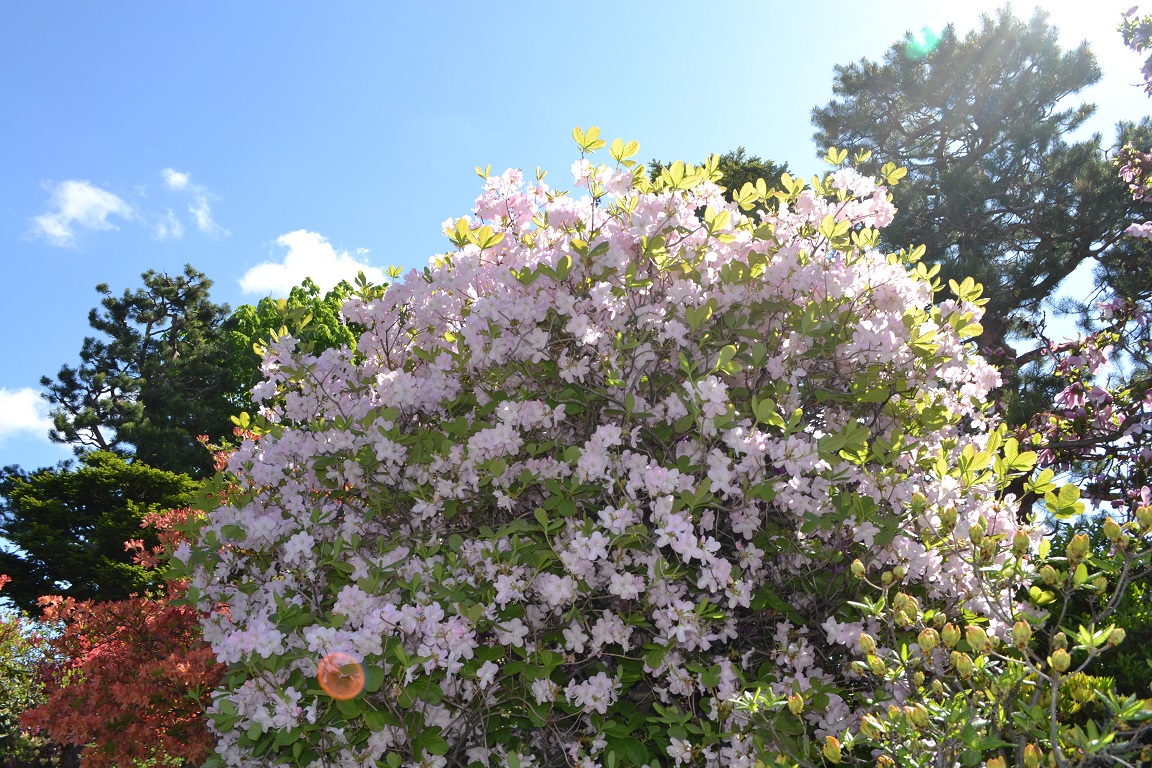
[[129, 679]]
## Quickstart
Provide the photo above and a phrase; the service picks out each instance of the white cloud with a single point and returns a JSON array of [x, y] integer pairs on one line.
[[202, 212], [309, 255], [79, 205], [174, 179], [169, 227], [23, 412]]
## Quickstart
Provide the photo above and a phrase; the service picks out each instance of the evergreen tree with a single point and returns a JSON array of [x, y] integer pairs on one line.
[[154, 382], [66, 526], [995, 188]]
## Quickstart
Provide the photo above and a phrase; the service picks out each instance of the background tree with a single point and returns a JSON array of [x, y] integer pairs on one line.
[[738, 168], [995, 189], [153, 383], [69, 524], [310, 316]]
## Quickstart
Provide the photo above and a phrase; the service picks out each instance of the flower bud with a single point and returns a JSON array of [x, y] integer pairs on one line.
[[876, 664], [963, 664], [977, 639], [988, 549], [867, 643], [1032, 756], [1060, 640], [857, 569], [1112, 530], [899, 572], [948, 517], [1021, 634], [1060, 660], [918, 678], [918, 715], [996, 762], [886, 578], [1099, 584], [1116, 636], [1020, 543], [1078, 547], [928, 640], [885, 761], [1049, 575], [796, 704], [950, 635], [832, 749], [976, 532], [870, 727], [1144, 517]]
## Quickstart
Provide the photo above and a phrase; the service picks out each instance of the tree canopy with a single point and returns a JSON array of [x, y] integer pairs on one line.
[[996, 189], [152, 382], [68, 525]]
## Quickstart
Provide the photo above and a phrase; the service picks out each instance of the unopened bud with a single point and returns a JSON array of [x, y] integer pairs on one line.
[[918, 678], [886, 578], [976, 532], [1144, 517], [1059, 640], [987, 549], [950, 635], [876, 664], [832, 749], [996, 762], [1078, 547], [870, 727], [867, 643], [796, 704], [1060, 660], [857, 569], [1116, 636], [899, 572], [963, 664], [928, 640], [948, 517], [885, 761], [1049, 575], [918, 715], [1032, 756], [1112, 530], [1021, 634], [1099, 584], [977, 639], [1020, 544]]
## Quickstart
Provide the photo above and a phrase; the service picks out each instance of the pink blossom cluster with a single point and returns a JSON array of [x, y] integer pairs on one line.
[[610, 456]]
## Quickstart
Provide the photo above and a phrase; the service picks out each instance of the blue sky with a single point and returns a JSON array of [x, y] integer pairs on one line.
[[262, 141]]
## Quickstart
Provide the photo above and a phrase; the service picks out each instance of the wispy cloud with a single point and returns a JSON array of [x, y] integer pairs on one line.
[[23, 413], [200, 207], [309, 255], [78, 205], [202, 212], [169, 227], [174, 179]]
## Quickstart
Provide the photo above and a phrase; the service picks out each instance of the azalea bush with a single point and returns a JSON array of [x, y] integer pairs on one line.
[[632, 477]]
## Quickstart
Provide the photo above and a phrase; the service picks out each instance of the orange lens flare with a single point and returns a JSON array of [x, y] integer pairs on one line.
[[340, 675]]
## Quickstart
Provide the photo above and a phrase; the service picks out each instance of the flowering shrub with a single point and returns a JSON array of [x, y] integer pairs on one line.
[[632, 478], [128, 680]]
